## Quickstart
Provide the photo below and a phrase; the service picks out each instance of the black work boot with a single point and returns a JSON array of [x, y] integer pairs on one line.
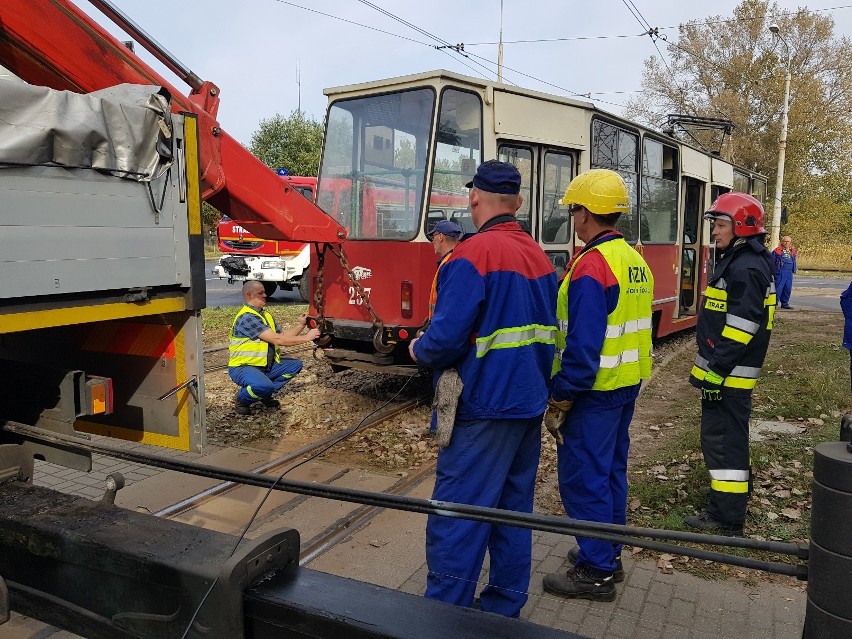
[[707, 524], [240, 407], [578, 583], [617, 576], [269, 402]]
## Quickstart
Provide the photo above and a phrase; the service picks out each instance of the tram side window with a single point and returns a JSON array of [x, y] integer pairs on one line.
[[618, 149], [521, 157], [759, 191], [555, 220], [658, 210], [458, 151], [741, 182]]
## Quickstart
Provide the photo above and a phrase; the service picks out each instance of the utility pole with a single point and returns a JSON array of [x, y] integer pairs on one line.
[[299, 86], [775, 233], [500, 47]]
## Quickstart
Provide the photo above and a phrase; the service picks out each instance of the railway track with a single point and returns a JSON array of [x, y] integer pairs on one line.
[[330, 524]]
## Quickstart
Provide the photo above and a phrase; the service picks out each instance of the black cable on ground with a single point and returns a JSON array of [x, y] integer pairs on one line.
[[615, 533]]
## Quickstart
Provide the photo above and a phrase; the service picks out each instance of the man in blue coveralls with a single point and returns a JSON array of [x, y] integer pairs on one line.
[[495, 323], [603, 354], [785, 267]]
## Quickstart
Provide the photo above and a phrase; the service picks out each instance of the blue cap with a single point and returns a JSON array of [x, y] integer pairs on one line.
[[497, 177], [446, 227]]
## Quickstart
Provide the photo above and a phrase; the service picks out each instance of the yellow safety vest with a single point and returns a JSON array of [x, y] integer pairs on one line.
[[245, 351], [625, 358]]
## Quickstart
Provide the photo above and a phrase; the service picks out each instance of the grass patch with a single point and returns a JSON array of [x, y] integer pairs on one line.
[[804, 381], [823, 256]]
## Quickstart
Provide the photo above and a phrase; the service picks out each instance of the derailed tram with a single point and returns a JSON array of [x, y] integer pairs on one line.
[[398, 153]]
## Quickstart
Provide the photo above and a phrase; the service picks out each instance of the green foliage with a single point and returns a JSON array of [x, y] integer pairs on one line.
[[294, 143], [735, 69]]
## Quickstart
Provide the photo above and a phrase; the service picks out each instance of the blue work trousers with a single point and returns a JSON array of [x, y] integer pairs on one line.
[[493, 463], [784, 285], [257, 384], [592, 467]]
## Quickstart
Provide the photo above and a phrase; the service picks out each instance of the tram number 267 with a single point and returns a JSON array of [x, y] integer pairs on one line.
[[356, 299]]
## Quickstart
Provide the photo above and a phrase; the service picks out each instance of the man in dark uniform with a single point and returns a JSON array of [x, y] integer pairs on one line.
[[734, 325]]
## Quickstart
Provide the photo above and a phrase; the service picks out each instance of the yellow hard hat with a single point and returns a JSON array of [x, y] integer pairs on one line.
[[600, 190]]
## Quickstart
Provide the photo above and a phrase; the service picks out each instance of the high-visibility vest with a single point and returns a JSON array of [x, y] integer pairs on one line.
[[245, 351], [433, 294], [625, 358]]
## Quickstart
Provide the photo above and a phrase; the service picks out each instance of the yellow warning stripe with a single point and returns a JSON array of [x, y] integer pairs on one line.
[[31, 320]]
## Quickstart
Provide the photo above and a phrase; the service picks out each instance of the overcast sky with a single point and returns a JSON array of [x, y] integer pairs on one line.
[[251, 48]]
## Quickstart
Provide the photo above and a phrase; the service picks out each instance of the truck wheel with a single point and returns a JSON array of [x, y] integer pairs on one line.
[[304, 287], [269, 287]]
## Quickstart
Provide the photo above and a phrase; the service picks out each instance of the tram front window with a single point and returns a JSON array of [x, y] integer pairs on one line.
[[458, 151], [374, 161]]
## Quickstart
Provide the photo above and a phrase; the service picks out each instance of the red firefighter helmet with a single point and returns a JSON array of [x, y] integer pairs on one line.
[[743, 210]]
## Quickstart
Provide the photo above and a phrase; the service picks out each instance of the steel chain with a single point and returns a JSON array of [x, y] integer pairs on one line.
[[359, 288], [319, 297]]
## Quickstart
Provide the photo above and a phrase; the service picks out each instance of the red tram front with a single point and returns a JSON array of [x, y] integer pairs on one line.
[[398, 153]]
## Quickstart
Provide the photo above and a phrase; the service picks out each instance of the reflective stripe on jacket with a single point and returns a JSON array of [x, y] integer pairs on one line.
[[735, 319], [245, 351], [625, 357]]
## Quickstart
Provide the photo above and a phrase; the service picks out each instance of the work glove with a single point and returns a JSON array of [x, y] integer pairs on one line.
[[711, 387], [554, 416]]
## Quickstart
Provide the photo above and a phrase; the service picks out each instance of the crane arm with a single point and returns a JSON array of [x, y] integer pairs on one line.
[[53, 43]]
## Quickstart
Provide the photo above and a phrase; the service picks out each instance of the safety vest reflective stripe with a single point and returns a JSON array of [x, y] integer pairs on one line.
[[514, 337], [633, 326], [244, 351], [626, 357]]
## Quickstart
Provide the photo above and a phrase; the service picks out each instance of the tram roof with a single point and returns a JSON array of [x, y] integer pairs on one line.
[[438, 74], [458, 77]]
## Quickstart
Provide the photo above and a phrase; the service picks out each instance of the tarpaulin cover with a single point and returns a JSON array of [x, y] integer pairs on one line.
[[124, 130]]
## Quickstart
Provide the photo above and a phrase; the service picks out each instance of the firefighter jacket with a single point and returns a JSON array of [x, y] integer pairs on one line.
[[247, 351], [604, 308], [735, 319], [495, 322]]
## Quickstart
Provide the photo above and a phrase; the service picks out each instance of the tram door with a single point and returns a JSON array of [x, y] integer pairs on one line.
[[690, 261], [545, 175]]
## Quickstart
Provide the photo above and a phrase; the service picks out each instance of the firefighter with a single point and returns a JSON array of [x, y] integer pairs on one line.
[[734, 324], [603, 353]]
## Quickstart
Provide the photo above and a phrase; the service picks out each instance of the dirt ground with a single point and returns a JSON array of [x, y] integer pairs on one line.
[[319, 402]]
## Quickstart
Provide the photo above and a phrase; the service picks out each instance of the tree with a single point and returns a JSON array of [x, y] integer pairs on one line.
[[294, 143], [734, 69]]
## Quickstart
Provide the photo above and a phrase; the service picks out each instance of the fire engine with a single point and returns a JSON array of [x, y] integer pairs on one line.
[[274, 263]]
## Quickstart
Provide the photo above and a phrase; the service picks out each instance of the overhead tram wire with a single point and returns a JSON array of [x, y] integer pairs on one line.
[[445, 46]]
